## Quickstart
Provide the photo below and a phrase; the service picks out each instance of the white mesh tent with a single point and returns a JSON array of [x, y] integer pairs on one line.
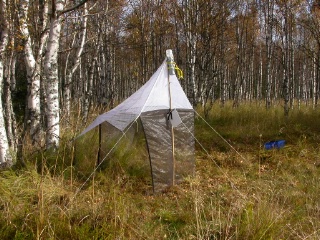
[[167, 119]]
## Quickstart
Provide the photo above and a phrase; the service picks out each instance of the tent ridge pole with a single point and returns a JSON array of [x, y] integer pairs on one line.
[[170, 66]]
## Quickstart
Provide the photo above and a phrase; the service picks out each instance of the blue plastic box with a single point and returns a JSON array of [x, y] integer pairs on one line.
[[275, 144]]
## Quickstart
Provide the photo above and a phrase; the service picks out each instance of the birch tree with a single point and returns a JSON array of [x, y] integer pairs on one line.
[[240, 32], [222, 51], [190, 21], [268, 18], [207, 51], [5, 157], [313, 25], [287, 8], [51, 71], [8, 87], [9, 82], [11, 124], [51, 75], [72, 68], [33, 60]]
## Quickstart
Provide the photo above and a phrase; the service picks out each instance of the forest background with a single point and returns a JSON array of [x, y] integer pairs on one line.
[[55, 55]]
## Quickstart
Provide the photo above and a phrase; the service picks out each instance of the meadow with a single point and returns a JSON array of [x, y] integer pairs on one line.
[[239, 191]]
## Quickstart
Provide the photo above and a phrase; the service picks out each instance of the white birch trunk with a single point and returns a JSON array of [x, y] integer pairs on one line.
[[88, 89], [73, 69], [314, 81], [260, 77], [190, 17], [8, 82], [222, 57], [51, 77], [33, 66], [5, 157], [269, 29], [11, 125], [303, 87]]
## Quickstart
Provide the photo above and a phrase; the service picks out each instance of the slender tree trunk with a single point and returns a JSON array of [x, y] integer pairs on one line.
[[5, 157], [33, 78], [189, 21], [239, 56], [260, 77], [11, 125], [9, 84], [192, 89], [286, 70], [109, 76], [317, 77], [269, 29], [71, 70], [88, 89], [304, 96], [51, 78], [288, 60], [222, 58], [251, 92], [314, 82], [33, 60]]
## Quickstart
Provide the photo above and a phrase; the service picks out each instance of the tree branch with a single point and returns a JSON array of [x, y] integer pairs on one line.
[[74, 7]]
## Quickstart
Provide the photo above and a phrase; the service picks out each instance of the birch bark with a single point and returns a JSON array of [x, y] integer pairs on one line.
[[5, 157], [71, 70], [33, 65], [11, 124], [268, 31], [222, 39], [189, 21], [9, 83], [51, 76], [314, 81]]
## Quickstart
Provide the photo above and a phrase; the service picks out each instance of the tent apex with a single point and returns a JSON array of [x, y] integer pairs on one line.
[[169, 54], [170, 62]]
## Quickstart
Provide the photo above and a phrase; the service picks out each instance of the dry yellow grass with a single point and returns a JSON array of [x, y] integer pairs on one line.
[[248, 194]]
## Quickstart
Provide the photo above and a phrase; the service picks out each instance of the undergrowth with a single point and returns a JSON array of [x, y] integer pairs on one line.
[[239, 191]]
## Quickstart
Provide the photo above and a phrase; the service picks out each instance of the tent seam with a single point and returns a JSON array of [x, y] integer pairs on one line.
[[158, 77]]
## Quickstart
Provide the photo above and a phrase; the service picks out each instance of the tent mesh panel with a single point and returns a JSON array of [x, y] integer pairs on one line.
[[166, 168]]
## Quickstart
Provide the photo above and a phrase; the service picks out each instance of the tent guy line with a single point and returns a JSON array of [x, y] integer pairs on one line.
[[233, 185], [170, 148], [161, 105], [100, 163], [225, 140], [194, 137]]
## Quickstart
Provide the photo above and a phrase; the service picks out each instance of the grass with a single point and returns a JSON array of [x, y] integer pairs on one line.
[[241, 193]]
